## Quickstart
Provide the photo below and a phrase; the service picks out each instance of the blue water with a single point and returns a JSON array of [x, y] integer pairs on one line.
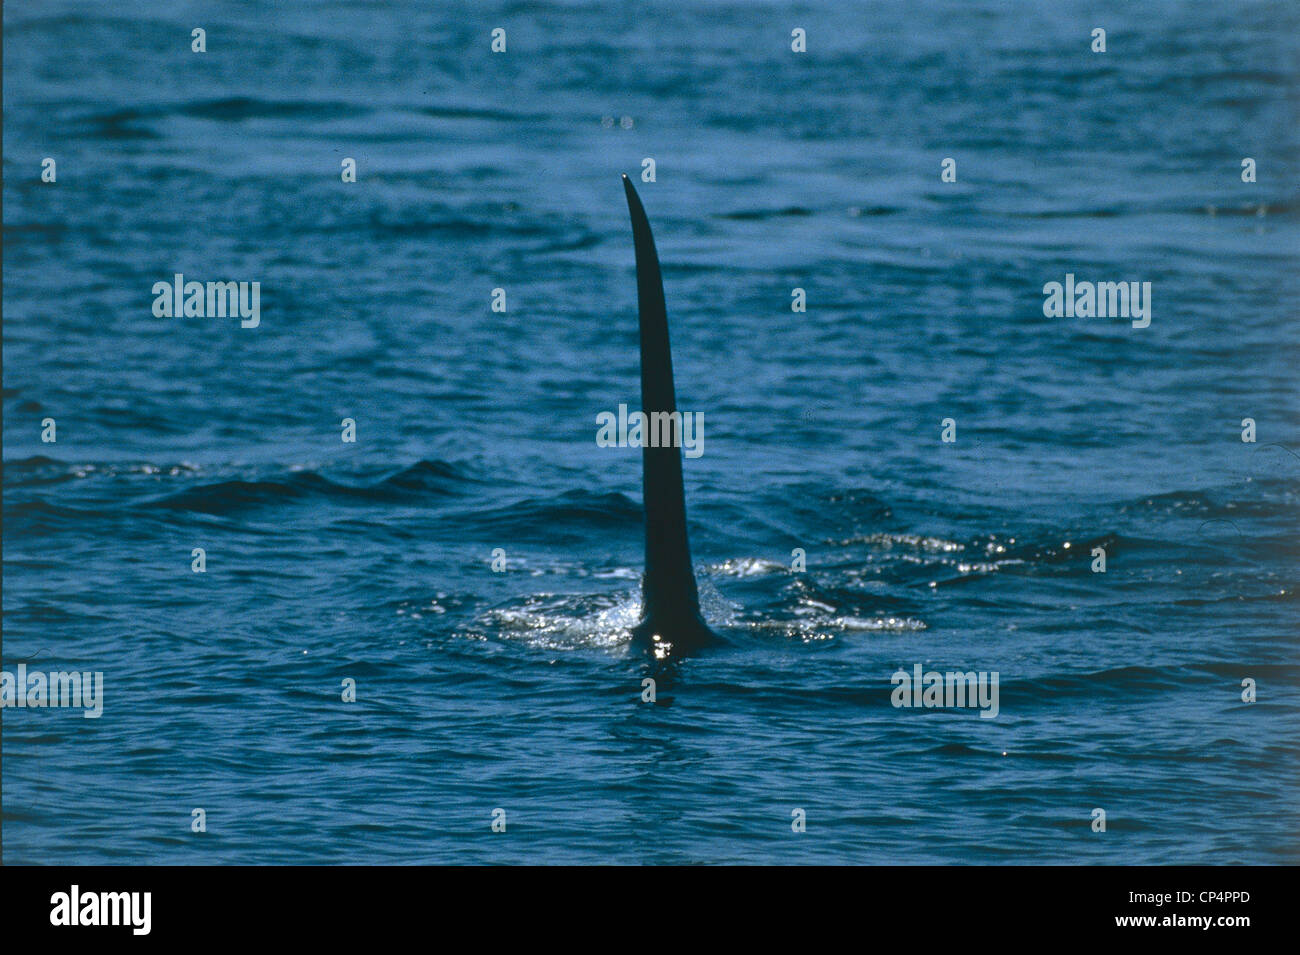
[[372, 561]]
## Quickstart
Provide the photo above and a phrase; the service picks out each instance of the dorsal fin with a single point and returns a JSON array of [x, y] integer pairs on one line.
[[670, 598]]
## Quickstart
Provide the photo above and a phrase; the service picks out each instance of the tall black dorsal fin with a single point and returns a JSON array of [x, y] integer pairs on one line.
[[671, 603]]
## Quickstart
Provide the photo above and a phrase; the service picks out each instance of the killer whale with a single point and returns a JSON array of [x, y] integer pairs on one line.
[[670, 602]]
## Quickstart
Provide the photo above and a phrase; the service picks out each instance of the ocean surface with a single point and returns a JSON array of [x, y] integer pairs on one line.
[[517, 689]]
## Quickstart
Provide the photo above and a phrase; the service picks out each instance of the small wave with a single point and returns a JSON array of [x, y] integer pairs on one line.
[[439, 477], [1172, 502], [823, 625], [748, 567], [565, 622], [470, 112], [909, 541], [857, 212], [236, 108], [1119, 681], [425, 478], [762, 215], [35, 470], [562, 520]]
